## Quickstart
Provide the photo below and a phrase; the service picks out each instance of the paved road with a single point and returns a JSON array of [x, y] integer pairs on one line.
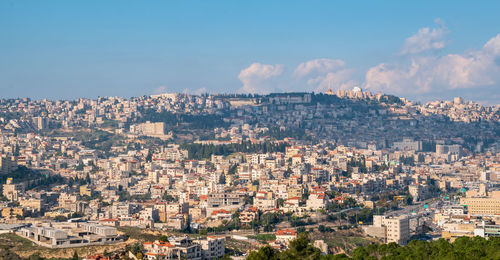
[[419, 206]]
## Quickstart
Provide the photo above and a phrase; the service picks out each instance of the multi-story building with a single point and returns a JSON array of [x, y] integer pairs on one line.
[[249, 215], [65, 235], [391, 229], [482, 206], [11, 190], [264, 200], [7, 164], [218, 200], [121, 210], [176, 248], [408, 145], [419, 191], [212, 247], [153, 129]]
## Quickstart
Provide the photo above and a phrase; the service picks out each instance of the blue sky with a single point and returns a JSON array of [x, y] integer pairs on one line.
[[423, 50]]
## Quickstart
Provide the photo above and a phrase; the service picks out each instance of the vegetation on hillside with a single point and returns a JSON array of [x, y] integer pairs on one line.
[[463, 248], [202, 151]]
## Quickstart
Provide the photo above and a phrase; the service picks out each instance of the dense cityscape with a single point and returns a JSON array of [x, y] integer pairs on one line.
[[249, 130], [298, 175]]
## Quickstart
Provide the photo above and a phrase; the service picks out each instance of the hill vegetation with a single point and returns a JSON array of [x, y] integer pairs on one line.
[[463, 248]]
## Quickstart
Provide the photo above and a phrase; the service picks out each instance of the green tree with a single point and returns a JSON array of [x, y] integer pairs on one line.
[[32, 257], [226, 257], [149, 157], [264, 253], [80, 166], [60, 218], [163, 238], [87, 179], [222, 179], [168, 197], [301, 248], [321, 228]]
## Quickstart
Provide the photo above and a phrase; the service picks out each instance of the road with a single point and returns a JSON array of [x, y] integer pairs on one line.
[[409, 209]]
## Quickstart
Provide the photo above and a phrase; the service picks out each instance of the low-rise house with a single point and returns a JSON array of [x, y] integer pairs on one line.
[[249, 215], [65, 235]]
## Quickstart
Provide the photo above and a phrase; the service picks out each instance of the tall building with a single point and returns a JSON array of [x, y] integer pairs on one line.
[[12, 191], [40, 123], [7, 164], [391, 229]]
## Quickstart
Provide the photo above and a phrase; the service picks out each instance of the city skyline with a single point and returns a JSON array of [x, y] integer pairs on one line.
[[53, 50]]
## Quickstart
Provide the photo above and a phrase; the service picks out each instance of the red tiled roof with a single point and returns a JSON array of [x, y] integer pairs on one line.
[[222, 211], [286, 232]]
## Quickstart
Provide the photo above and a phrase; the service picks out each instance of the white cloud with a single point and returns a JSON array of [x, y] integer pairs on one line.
[[493, 46], [432, 74], [257, 78], [341, 79], [321, 74], [419, 73], [426, 39], [318, 66]]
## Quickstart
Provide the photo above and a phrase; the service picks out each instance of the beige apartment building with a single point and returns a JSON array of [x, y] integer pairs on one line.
[[482, 205], [391, 229], [153, 129], [12, 191], [7, 164]]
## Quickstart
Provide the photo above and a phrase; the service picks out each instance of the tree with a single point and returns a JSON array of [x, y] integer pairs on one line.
[[71, 181], [321, 228], [80, 166], [60, 218], [35, 256], [136, 248], [226, 257], [168, 197], [409, 200], [222, 179], [301, 248], [75, 256], [233, 169], [163, 238], [264, 253], [87, 179]]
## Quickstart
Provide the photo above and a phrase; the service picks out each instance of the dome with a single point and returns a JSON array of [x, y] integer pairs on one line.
[[356, 89]]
